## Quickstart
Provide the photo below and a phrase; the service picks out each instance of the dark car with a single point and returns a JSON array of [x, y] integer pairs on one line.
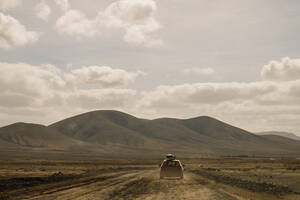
[[171, 168]]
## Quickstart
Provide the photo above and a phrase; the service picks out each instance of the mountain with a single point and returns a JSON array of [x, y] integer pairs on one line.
[[103, 127], [113, 133], [283, 134], [281, 141], [197, 136], [28, 136]]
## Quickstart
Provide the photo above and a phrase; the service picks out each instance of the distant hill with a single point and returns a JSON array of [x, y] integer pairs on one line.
[[28, 136], [104, 127], [113, 133], [283, 134], [197, 136]]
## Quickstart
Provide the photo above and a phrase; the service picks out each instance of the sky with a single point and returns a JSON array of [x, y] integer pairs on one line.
[[237, 61]]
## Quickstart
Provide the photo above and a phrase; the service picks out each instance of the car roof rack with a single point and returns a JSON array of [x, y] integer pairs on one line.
[[170, 156]]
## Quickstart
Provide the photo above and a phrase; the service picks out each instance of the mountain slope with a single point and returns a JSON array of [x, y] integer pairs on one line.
[[283, 134], [280, 140], [201, 135], [113, 133], [37, 136], [105, 127]]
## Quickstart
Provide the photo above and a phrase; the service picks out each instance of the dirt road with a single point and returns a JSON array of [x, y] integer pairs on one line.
[[129, 184], [222, 179], [141, 184]]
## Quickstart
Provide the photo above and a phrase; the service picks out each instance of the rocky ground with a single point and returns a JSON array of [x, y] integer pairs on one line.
[[223, 178]]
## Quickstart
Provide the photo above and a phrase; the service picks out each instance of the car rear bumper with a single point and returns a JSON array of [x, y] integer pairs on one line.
[[171, 174]]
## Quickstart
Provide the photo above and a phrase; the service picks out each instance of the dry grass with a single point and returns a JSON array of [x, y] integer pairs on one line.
[[214, 178]]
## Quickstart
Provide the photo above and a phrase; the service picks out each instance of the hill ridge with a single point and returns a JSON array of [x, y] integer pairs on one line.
[[280, 133], [114, 132]]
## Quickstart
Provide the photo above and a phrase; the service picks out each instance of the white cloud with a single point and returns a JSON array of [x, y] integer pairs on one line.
[[130, 12], [254, 106], [101, 98], [285, 70], [199, 71], [272, 104], [104, 76], [205, 94], [75, 23], [42, 10], [27, 80], [135, 17], [38, 90], [63, 4], [13, 34], [42, 87], [45, 93], [9, 4]]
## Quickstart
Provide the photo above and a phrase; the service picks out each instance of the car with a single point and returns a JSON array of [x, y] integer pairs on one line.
[[171, 168]]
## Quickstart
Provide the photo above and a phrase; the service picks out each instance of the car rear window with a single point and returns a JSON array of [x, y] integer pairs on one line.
[[171, 163]]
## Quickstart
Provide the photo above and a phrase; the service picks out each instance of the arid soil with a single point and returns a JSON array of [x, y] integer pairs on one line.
[[222, 179]]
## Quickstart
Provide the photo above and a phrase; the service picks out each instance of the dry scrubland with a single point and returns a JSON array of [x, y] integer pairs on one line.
[[214, 178]]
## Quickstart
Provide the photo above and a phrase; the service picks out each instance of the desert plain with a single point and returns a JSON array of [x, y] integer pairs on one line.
[[228, 178]]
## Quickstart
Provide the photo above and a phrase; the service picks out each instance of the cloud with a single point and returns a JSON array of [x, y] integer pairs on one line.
[[270, 104], [44, 93], [199, 71], [285, 70], [42, 87], [42, 10], [105, 76], [15, 100], [57, 93], [130, 12], [135, 17], [27, 80], [254, 106], [205, 94], [13, 34], [75, 23], [103, 98], [63, 4], [262, 94], [9, 4]]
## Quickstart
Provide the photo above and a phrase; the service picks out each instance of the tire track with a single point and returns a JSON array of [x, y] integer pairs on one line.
[[148, 186], [130, 185], [76, 188]]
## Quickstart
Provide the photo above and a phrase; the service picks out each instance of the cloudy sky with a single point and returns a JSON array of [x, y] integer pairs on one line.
[[238, 61]]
